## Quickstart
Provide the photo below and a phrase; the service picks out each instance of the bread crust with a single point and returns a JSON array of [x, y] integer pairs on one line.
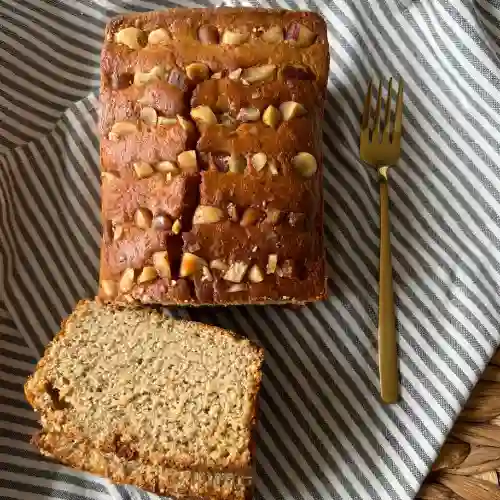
[[82, 455], [299, 75]]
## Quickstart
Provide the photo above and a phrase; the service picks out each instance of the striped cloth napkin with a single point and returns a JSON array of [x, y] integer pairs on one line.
[[323, 431]]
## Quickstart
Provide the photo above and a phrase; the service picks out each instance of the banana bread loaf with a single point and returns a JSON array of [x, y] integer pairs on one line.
[[144, 399], [211, 157]]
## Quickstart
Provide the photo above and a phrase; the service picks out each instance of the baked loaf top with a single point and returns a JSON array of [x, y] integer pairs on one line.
[[133, 384], [211, 157]]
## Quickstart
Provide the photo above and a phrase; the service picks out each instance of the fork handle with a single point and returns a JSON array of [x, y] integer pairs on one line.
[[388, 361]]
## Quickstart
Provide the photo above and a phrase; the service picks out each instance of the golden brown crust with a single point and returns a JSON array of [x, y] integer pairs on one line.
[[240, 69], [121, 467]]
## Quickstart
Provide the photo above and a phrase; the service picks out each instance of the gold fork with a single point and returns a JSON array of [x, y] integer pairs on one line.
[[380, 147]]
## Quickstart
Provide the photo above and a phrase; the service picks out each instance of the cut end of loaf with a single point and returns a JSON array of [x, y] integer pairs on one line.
[[138, 386]]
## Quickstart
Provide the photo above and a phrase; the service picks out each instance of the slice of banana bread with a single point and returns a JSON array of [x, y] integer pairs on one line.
[[145, 399]]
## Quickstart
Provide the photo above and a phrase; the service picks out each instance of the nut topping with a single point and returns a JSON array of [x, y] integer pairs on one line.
[[130, 37], [207, 215], [127, 280], [234, 37], [143, 169], [109, 288], [285, 270], [272, 216], [154, 73], [305, 164], [158, 36], [291, 109], [248, 114], [177, 79], [232, 212], [255, 275], [197, 72], [259, 161], [227, 120], [190, 263], [166, 121], [273, 35], [235, 74], [217, 75], [258, 73], [218, 264], [273, 167], [206, 275], [148, 116], [236, 272], [161, 222], [203, 115], [185, 124], [167, 166], [272, 263], [143, 218], [177, 226], [121, 129], [147, 274], [109, 175], [162, 264], [187, 162], [300, 35], [250, 216], [271, 117], [208, 34], [237, 287], [296, 219], [236, 163]]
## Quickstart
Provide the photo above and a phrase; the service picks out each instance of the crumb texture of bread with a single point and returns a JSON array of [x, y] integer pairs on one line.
[[211, 157], [144, 387], [81, 454]]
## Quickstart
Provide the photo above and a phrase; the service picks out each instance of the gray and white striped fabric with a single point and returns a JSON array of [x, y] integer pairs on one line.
[[323, 431]]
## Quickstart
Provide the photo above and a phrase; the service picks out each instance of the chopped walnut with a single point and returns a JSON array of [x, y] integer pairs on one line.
[[273, 35], [149, 116], [190, 264], [305, 164], [131, 37], [234, 37], [148, 274], [197, 71], [143, 218], [207, 215], [121, 129], [158, 36], [291, 109], [143, 169], [255, 275], [272, 263], [236, 272], [162, 264], [218, 264], [286, 269], [127, 280], [300, 35]]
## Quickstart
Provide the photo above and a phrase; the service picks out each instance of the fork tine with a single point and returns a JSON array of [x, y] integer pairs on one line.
[[387, 122], [399, 110], [366, 111], [378, 110]]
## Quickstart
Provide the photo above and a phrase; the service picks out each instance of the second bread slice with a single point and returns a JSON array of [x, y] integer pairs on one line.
[[142, 398]]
